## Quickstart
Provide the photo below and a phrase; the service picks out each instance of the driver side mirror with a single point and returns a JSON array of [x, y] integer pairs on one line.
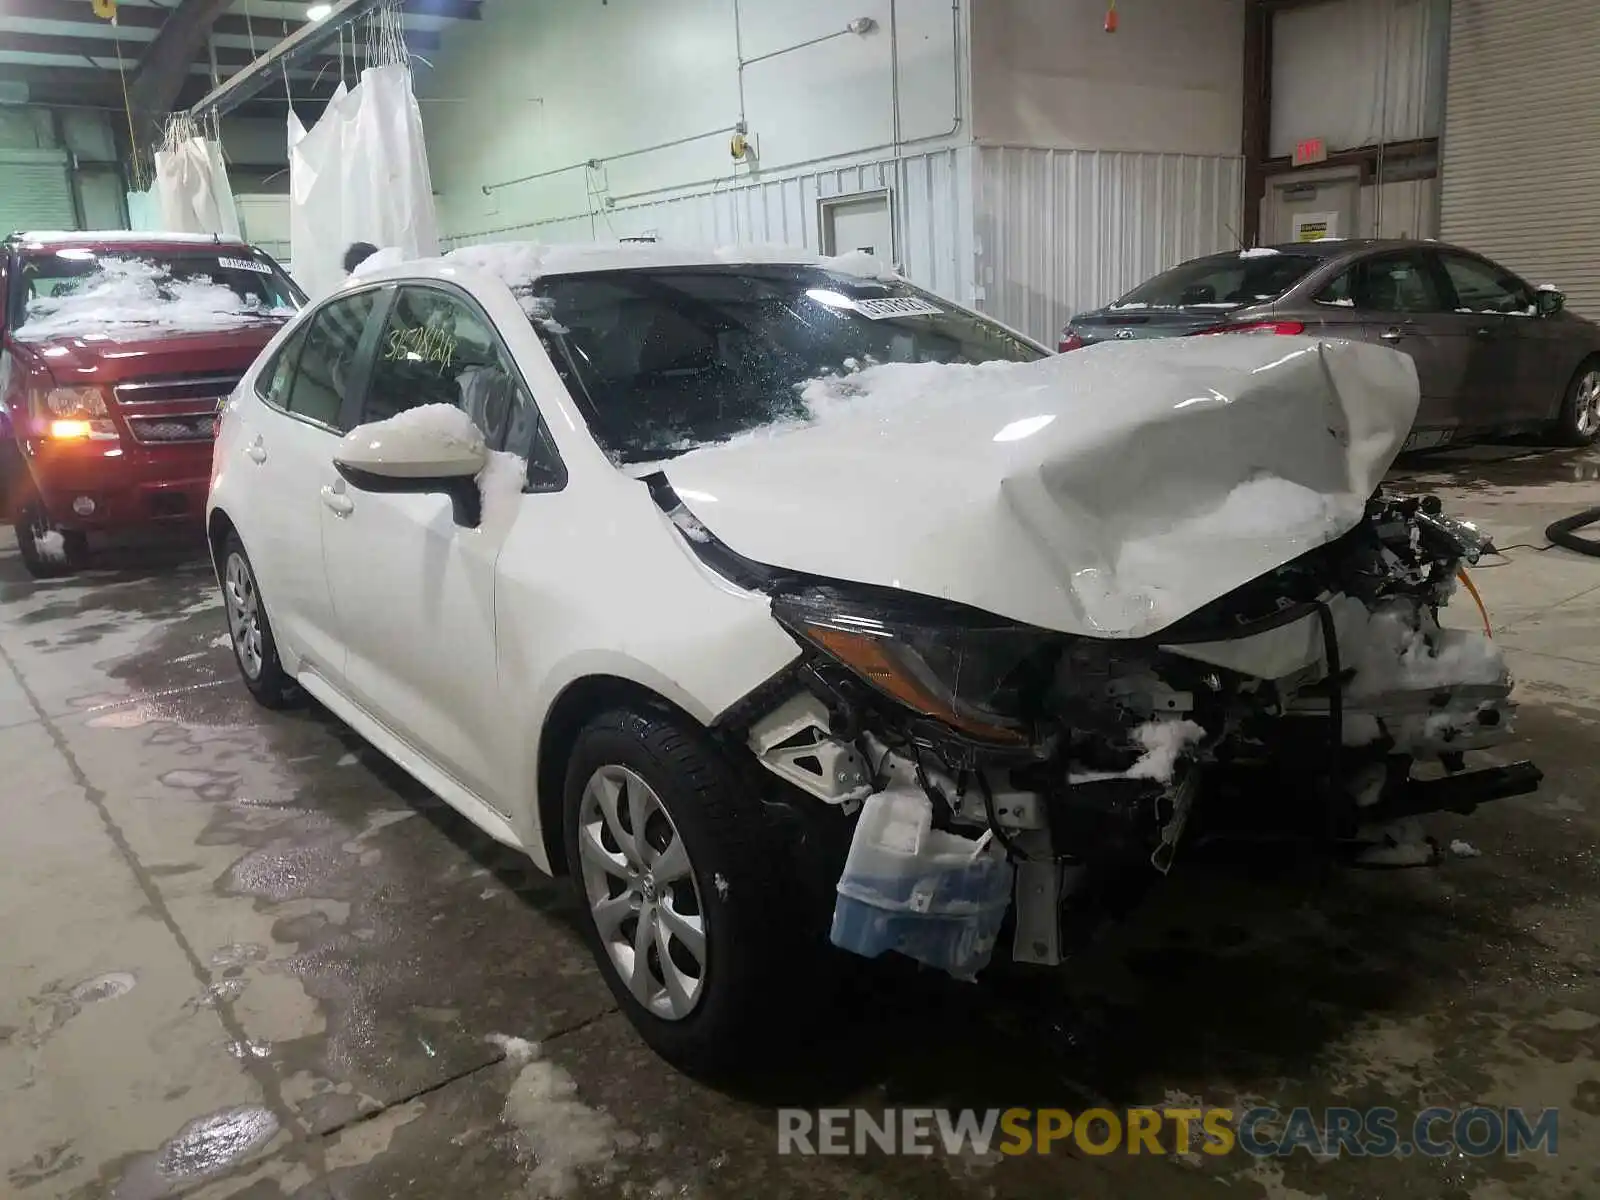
[[432, 449], [1549, 301]]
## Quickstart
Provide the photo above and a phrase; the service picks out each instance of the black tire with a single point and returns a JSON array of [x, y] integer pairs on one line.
[[32, 527], [755, 948], [256, 656], [1579, 422]]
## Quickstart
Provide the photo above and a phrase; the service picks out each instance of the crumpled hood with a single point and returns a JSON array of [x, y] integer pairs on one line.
[[1108, 492]]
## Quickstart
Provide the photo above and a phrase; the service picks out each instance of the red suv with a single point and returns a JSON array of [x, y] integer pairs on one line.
[[117, 351]]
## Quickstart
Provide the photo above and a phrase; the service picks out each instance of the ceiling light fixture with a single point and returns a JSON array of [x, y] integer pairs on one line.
[[317, 11]]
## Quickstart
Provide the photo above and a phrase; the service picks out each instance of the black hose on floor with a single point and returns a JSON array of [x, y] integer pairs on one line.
[[1561, 533]]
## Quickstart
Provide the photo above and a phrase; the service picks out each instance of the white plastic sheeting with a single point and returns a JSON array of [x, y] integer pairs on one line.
[[192, 190], [360, 174]]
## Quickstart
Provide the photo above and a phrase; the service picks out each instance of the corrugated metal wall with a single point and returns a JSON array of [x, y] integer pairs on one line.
[[931, 212], [1520, 185], [1060, 231]]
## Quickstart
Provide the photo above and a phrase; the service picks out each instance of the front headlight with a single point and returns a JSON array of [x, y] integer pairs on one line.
[[975, 677], [68, 414]]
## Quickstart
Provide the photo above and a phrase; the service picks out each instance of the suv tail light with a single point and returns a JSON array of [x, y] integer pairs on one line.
[[1286, 328], [1069, 341], [71, 414]]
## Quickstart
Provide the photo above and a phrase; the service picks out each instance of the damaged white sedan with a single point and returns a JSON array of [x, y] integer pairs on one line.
[[777, 601]]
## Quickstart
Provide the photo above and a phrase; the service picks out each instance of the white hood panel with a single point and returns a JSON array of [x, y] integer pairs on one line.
[[1107, 492]]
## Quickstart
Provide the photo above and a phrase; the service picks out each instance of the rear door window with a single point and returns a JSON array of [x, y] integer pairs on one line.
[[277, 377], [1393, 283], [325, 373]]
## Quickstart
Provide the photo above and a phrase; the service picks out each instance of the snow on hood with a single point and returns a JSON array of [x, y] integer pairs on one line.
[[1108, 492], [129, 298]]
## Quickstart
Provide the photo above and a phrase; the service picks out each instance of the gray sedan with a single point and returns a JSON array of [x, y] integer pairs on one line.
[[1493, 354]]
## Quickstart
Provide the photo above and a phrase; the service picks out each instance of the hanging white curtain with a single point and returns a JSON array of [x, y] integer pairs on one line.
[[360, 174], [192, 189]]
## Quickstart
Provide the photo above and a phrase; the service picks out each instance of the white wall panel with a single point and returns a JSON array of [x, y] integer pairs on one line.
[[1521, 146], [648, 90], [931, 210], [1060, 231], [1355, 72], [1045, 73]]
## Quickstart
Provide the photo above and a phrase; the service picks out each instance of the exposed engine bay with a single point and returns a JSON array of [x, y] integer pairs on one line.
[[994, 769]]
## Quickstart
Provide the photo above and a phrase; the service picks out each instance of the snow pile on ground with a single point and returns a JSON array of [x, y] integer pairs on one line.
[[129, 298], [1399, 646], [1164, 742], [570, 1144], [52, 546], [1402, 844]]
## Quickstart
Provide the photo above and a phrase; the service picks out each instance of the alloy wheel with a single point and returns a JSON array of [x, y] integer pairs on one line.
[[642, 892], [1587, 416], [244, 614]]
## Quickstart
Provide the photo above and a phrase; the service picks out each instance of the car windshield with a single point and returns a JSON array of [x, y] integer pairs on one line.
[[72, 291], [666, 360], [1223, 281]]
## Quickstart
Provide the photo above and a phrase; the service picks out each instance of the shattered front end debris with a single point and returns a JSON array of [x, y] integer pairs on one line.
[[998, 778]]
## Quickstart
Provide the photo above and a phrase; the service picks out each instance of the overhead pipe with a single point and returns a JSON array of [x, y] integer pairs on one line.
[[264, 71]]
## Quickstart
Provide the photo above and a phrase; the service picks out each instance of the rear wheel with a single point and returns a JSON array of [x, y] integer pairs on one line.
[[682, 891], [47, 551], [249, 630], [1579, 422]]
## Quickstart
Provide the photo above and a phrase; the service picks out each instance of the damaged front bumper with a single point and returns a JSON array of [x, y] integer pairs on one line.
[[999, 780]]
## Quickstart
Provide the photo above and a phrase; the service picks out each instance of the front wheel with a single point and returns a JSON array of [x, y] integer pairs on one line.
[[1579, 422], [249, 631], [682, 891], [47, 552]]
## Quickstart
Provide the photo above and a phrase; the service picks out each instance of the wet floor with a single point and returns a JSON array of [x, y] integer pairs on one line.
[[243, 956]]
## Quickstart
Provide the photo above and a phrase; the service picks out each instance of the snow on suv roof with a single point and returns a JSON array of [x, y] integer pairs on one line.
[[112, 237], [519, 264]]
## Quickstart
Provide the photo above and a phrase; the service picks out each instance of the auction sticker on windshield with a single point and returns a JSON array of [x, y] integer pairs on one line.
[[244, 264], [898, 306]]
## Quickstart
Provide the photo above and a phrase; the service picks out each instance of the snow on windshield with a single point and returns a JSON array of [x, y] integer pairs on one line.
[[130, 298]]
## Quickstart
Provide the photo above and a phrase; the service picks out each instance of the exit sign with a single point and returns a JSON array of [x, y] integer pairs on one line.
[[1310, 150]]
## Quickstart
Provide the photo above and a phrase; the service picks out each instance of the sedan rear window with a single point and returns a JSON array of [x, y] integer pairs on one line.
[[665, 360], [1223, 281]]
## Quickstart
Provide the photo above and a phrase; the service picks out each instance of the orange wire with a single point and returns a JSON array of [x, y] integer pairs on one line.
[[1482, 610]]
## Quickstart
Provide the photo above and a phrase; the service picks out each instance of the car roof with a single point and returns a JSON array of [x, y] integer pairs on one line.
[[1339, 247], [46, 238], [519, 264]]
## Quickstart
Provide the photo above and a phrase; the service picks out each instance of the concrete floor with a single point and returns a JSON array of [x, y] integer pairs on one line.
[[243, 957]]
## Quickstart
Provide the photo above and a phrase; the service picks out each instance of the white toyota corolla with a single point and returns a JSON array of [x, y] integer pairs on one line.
[[779, 602]]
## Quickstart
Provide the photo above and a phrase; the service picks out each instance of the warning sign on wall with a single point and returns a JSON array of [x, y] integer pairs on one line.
[[1313, 227]]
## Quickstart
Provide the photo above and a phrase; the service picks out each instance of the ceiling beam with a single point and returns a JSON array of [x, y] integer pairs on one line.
[[165, 65], [107, 49], [264, 28], [238, 88]]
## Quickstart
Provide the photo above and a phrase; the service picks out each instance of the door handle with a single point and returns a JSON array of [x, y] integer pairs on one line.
[[1485, 331], [256, 451], [338, 503], [1392, 334]]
